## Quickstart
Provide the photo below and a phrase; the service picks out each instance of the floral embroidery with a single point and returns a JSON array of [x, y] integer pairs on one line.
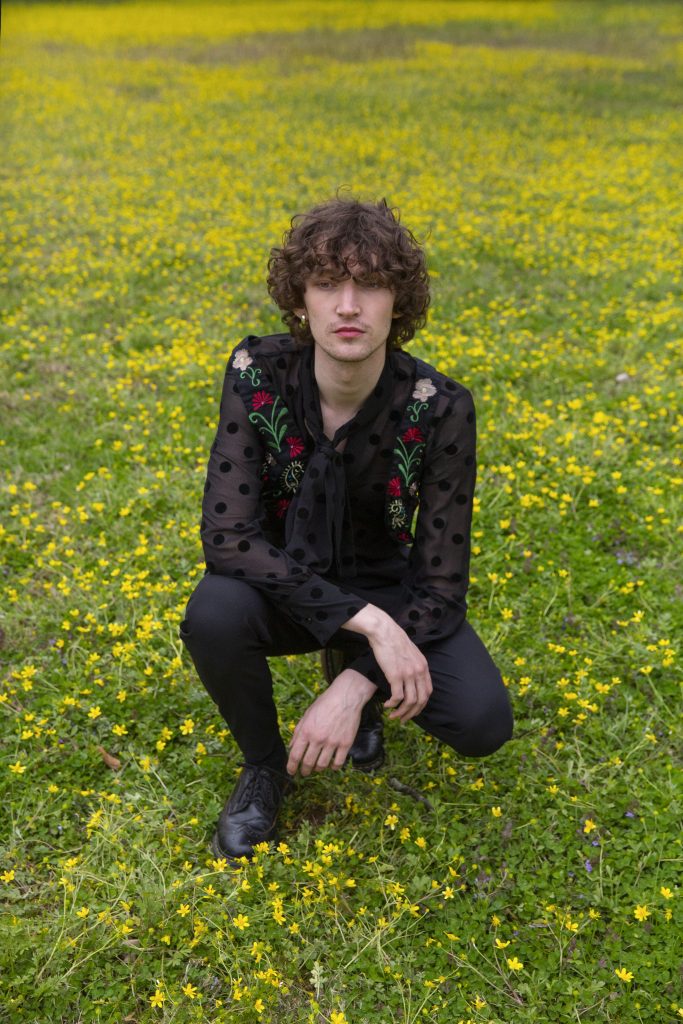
[[242, 359], [274, 423], [243, 363], [409, 448], [406, 468], [424, 390], [296, 446], [260, 399], [282, 470]]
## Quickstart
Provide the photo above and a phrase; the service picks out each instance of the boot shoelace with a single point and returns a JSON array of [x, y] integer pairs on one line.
[[259, 786]]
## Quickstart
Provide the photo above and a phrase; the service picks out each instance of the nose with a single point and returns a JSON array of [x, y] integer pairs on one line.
[[348, 303]]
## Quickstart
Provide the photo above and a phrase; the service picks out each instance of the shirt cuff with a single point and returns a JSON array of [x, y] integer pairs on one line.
[[322, 608], [366, 664]]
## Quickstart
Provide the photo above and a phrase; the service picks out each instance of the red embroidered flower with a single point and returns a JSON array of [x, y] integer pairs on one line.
[[394, 487], [412, 435], [296, 446], [260, 399], [282, 506], [405, 537]]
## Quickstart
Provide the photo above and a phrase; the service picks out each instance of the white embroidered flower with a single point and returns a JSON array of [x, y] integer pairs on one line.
[[242, 360], [424, 389]]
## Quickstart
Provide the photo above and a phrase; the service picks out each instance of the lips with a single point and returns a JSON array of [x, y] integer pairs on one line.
[[349, 332]]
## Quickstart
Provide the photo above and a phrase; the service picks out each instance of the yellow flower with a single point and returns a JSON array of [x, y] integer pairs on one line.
[[641, 913], [514, 964], [187, 727], [7, 876], [158, 998], [589, 825], [391, 821], [190, 991], [666, 892], [83, 912], [502, 945], [183, 909], [338, 1017], [18, 768], [241, 921], [623, 974], [496, 812], [259, 1006]]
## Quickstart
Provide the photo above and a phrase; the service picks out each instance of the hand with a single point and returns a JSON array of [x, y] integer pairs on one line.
[[325, 732], [405, 668]]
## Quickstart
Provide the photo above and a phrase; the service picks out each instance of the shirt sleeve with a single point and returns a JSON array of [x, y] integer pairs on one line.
[[232, 530], [434, 591]]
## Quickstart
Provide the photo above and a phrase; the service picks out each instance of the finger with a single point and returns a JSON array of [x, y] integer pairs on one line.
[[308, 761], [295, 754], [324, 758], [340, 757], [409, 703], [424, 692]]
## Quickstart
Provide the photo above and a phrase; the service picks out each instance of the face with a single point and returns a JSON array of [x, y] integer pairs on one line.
[[349, 319]]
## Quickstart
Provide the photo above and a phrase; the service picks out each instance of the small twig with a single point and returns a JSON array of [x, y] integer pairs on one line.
[[401, 787]]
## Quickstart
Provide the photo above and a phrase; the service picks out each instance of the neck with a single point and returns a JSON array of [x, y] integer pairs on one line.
[[344, 387]]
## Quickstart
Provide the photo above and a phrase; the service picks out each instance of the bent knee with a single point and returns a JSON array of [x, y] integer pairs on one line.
[[220, 608], [485, 729]]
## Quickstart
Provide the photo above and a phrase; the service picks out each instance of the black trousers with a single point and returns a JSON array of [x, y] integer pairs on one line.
[[230, 630]]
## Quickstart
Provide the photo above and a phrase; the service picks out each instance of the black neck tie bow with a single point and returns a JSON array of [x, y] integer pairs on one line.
[[319, 526]]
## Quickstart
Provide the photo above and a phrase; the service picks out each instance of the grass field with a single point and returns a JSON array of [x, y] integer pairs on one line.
[[154, 154]]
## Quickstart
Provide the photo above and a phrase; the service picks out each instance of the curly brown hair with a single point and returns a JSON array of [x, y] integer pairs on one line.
[[373, 239]]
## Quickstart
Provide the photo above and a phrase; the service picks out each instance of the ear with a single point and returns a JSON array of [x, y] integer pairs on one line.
[[299, 312], [395, 316]]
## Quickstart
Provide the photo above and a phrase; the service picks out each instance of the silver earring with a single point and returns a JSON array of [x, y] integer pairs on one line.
[[302, 320]]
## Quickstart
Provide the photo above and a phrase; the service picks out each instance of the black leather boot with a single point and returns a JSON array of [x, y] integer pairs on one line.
[[251, 811], [367, 750]]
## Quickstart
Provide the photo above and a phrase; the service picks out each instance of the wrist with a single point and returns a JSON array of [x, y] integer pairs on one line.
[[354, 686], [371, 621]]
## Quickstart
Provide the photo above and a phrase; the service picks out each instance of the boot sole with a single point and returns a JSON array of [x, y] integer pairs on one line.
[[218, 851], [368, 766]]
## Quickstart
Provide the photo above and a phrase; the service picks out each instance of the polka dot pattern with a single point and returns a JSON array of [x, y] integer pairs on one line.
[[244, 528]]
